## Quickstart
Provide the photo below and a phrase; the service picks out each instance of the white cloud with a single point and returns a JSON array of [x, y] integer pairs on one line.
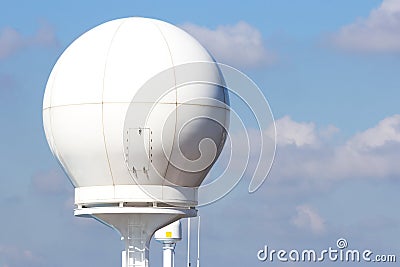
[[307, 218], [12, 41], [373, 153], [289, 132], [387, 131], [379, 32], [239, 45], [308, 156]]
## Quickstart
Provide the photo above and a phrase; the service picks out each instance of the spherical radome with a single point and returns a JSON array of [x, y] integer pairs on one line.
[[136, 103]]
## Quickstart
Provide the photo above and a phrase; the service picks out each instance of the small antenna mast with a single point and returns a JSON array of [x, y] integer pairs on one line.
[[198, 242], [188, 243]]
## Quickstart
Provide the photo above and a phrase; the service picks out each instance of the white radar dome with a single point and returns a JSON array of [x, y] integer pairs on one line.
[[135, 110]]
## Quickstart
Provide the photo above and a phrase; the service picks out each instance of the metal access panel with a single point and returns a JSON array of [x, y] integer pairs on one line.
[[139, 150]]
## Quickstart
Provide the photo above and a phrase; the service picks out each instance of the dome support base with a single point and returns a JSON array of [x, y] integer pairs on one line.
[[136, 226]]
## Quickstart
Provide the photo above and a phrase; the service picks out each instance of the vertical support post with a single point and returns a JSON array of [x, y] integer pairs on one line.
[[136, 247], [188, 243], [198, 242], [169, 255]]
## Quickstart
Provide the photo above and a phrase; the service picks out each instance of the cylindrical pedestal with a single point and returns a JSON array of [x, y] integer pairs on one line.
[[168, 254]]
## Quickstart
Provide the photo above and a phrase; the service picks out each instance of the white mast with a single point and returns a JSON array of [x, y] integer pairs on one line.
[[169, 236], [188, 243], [198, 242]]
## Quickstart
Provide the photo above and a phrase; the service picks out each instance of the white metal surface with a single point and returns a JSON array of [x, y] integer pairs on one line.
[[170, 233], [90, 111], [176, 195], [169, 255]]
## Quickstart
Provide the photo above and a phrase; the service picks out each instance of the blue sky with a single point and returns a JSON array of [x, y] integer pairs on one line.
[[330, 73]]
